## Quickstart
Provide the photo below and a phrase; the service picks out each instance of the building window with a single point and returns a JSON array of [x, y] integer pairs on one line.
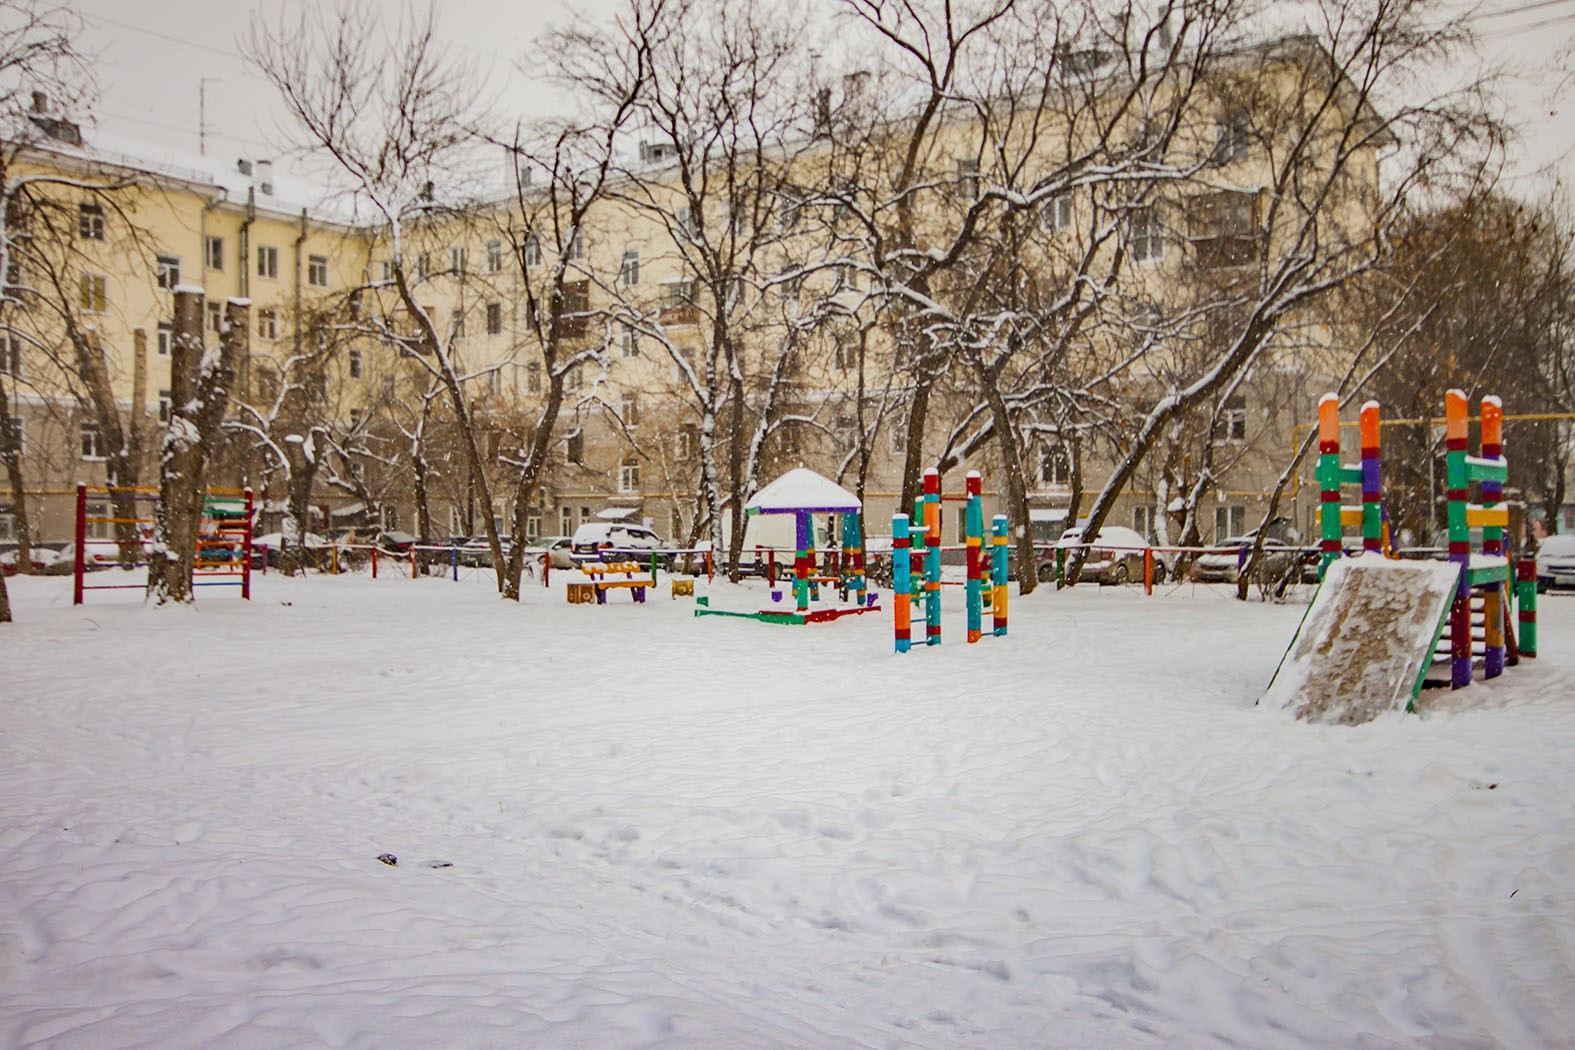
[[390, 517], [1231, 133], [574, 446], [456, 261], [267, 261], [629, 475], [574, 377], [1233, 419], [166, 338], [10, 354], [566, 520], [1143, 521], [688, 441], [317, 271], [90, 222], [1146, 235], [267, 324], [92, 296], [629, 409], [533, 377], [576, 246], [91, 446], [1055, 467], [457, 321], [423, 265], [1224, 228], [494, 318], [355, 418], [629, 268], [388, 270], [968, 178], [1057, 212], [355, 364], [677, 294], [532, 250], [164, 406], [494, 256], [97, 513], [899, 441], [1229, 521], [213, 253], [629, 341], [216, 317]]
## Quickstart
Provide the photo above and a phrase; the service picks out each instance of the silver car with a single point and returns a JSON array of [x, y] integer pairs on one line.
[[1556, 562]]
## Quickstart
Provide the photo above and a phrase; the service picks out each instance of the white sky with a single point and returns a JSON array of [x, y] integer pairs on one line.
[[154, 55]]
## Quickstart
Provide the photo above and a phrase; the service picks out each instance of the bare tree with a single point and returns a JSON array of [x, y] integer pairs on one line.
[[1314, 113], [39, 62], [395, 116]]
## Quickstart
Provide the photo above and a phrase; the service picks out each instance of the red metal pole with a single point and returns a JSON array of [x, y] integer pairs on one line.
[[246, 551], [374, 561], [1148, 570], [79, 563]]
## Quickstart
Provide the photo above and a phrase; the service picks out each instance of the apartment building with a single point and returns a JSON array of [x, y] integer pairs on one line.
[[825, 382]]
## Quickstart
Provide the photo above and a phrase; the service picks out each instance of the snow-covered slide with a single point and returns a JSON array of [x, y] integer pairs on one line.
[[1367, 641]]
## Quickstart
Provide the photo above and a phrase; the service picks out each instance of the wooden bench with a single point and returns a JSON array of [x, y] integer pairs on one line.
[[603, 577]]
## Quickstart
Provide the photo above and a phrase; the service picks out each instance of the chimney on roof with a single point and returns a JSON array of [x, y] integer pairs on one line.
[[265, 177], [58, 128]]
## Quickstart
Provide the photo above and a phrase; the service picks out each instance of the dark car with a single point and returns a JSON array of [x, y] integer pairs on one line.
[[1277, 561]]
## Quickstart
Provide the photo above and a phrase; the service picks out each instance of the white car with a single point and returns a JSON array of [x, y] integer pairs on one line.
[[1115, 557], [1556, 562], [598, 540]]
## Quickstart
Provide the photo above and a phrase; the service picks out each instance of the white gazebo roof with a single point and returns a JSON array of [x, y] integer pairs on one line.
[[801, 490]]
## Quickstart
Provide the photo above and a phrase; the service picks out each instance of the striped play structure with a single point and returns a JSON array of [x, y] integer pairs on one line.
[[906, 537], [1333, 476], [1479, 614]]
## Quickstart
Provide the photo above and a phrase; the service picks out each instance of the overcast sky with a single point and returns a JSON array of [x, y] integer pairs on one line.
[[156, 58]]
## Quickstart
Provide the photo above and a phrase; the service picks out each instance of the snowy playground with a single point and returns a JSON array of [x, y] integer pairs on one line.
[[624, 826]]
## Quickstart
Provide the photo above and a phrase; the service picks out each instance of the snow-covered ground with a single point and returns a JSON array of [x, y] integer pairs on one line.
[[627, 827]]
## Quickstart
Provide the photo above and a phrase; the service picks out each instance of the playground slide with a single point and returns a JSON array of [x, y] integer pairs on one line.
[[1366, 642]]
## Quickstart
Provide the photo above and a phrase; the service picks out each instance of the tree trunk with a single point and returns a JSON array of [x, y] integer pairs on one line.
[[12, 457], [121, 451], [1016, 484], [199, 394]]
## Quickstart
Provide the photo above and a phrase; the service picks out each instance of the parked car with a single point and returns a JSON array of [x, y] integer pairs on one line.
[[101, 555], [1115, 557], [271, 546], [42, 559], [476, 552], [1556, 562], [558, 550], [597, 540], [1274, 563]]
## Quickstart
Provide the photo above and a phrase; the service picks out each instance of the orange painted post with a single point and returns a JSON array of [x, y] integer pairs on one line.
[[1148, 570], [374, 561]]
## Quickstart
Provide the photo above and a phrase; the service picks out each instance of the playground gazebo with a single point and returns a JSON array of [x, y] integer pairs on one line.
[[803, 493]]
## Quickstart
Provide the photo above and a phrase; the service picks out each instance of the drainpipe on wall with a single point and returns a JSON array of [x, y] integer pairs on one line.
[[246, 242], [300, 239]]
